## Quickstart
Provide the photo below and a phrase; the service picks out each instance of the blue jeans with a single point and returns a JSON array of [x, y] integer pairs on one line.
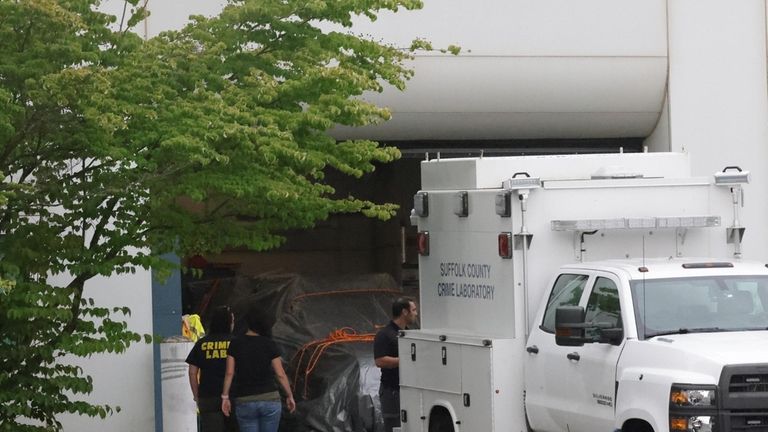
[[258, 416]]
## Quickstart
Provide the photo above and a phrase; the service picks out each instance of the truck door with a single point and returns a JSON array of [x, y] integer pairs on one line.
[[549, 382], [594, 369]]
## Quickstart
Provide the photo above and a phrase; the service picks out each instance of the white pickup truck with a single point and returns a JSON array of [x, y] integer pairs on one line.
[[621, 341]]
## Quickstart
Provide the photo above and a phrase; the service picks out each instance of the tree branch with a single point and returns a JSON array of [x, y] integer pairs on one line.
[[111, 203], [77, 285], [219, 207], [27, 33], [122, 17], [30, 120]]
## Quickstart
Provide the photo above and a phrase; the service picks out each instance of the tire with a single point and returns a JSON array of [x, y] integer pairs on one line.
[[440, 421], [636, 426]]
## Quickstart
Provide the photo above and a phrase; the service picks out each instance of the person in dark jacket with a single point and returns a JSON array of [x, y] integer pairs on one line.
[[207, 364], [404, 313], [253, 363]]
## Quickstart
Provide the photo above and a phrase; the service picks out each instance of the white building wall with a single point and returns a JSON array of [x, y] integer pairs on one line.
[[718, 97], [124, 380], [528, 69], [174, 14]]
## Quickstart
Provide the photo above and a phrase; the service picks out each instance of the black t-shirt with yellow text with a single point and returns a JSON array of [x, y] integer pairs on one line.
[[210, 355]]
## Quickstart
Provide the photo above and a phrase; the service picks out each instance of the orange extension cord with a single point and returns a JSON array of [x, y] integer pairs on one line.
[[318, 347], [342, 335]]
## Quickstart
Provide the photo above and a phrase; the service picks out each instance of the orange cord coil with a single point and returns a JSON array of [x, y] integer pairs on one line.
[[318, 347]]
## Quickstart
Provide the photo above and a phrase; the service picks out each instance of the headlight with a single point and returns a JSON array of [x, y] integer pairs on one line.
[[693, 408], [684, 397], [692, 424]]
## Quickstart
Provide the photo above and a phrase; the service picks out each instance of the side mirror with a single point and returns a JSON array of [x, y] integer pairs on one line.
[[612, 336], [569, 326]]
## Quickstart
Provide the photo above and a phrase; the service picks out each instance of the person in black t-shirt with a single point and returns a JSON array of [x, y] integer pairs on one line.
[[253, 362], [385, 355], [207, 364]]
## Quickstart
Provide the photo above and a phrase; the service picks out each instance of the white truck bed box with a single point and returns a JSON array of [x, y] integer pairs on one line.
[[464, 373], [467, 288]]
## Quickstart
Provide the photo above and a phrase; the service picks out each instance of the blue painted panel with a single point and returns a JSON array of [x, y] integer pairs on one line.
[[166, 321]]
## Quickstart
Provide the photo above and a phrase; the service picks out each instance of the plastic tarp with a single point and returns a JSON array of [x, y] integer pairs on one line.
[[333, 319]]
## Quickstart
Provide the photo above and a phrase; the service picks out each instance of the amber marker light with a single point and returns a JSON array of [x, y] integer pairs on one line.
[[678, 424], [678, 397]]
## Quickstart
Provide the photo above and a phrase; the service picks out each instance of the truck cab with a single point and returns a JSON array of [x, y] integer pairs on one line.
[[654, 345]]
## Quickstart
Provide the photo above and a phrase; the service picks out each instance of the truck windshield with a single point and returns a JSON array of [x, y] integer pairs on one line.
[[700, 304]]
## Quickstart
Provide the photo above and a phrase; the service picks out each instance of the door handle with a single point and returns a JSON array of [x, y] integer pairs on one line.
[[533, 349], [573, 356]]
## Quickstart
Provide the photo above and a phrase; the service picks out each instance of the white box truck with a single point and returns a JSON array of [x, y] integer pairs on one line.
[[568, 294]]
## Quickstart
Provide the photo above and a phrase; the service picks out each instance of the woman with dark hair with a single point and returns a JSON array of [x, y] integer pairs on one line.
[[207, 364], [254, 361]]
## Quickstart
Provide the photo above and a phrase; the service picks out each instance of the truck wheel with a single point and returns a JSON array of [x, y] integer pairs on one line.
[[440, 420], [636, 426]]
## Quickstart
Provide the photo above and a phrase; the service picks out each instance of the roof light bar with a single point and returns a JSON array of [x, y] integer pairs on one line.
[[641, 223], [707, 265], [688, 222], [636, 223]]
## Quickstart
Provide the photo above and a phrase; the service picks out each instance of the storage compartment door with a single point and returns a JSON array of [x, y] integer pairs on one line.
[[430, 365], [411, 403], [477, 406]]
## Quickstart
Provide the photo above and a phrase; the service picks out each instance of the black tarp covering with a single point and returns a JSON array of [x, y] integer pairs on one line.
[[341, 392]]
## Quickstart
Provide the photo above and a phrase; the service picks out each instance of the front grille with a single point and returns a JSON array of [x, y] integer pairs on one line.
[[744, 398], [747, 421], [744, 387], [748, 383]]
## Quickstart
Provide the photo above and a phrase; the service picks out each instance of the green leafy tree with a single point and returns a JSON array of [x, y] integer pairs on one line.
[[116, 150]]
